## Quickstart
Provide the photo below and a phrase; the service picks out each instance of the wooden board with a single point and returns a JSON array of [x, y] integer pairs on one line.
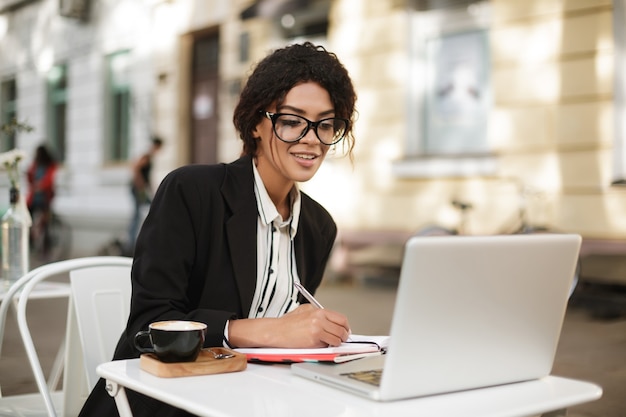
[[205, 364]]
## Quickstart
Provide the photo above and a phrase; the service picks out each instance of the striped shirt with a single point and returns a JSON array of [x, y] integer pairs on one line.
[[275, 294]]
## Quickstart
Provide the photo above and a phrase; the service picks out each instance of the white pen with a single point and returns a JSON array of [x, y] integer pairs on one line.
[[307, 295]]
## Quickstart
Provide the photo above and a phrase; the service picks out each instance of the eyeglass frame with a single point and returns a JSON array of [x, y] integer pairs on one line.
[[310, 124]]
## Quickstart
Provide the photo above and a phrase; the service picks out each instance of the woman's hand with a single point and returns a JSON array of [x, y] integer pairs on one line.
[[305, 327], [315, 327]]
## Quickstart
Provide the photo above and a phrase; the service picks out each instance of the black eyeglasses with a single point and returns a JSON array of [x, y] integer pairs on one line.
[[291, 127]]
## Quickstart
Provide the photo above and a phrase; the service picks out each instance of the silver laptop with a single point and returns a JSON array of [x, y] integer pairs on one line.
[[470, 312]]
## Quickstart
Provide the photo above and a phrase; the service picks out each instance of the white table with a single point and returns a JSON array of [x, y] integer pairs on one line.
[[272, 390]]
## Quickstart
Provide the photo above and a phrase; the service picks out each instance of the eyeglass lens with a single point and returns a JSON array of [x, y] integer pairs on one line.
[[291, 128]]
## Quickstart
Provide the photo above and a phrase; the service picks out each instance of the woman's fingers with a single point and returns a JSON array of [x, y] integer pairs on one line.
[[323, 327]]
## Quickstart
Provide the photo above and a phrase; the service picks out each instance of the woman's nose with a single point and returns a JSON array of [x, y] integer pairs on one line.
[[310, 137]]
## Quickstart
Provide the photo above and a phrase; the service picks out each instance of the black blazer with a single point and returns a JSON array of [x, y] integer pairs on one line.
[[195, 256]]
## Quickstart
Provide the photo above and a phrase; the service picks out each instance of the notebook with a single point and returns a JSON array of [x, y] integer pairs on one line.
[[356, 347], [470, 312]]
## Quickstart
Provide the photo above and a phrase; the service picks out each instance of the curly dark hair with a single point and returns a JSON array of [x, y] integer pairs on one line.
[[278, 73]]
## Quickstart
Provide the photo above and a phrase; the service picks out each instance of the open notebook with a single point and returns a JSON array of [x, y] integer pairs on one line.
[[470, 312], [358, 346]]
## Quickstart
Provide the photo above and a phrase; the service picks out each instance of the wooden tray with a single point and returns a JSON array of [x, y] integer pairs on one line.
[[205, 364]]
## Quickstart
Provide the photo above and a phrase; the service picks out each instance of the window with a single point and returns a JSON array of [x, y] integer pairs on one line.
[[294, 19], [57, 109], [244, 47], [8, 106], [450, 93], [118, 107]]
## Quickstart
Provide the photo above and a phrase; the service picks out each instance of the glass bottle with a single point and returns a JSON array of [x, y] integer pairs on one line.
[[15, 236]]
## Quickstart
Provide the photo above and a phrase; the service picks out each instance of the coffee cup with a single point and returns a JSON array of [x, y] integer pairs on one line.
[[172, 340]]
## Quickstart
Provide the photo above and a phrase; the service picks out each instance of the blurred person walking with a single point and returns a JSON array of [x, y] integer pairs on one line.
[[142, 191], [41, 177]]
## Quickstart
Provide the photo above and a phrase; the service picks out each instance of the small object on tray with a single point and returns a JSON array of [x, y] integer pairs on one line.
[[209, 362]]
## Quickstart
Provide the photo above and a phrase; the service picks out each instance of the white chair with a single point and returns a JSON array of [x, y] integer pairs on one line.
[[98, 314], [69, 399], [45, 291], [32, 404]]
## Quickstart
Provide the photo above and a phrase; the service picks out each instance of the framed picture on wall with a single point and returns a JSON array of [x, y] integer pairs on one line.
[[457, 93]]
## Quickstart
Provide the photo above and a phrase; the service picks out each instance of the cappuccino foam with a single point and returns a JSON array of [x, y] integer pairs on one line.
[[177, 325]]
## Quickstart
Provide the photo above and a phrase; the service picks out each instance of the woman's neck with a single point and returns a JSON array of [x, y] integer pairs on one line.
[[278, 189]]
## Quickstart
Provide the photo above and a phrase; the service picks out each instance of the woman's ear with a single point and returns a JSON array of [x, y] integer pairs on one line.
[[256, 134]]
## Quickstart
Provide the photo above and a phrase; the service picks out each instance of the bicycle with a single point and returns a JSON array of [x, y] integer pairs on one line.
[[523, 225]]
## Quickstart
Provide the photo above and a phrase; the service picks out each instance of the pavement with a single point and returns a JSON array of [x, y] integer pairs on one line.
[[592, 345]]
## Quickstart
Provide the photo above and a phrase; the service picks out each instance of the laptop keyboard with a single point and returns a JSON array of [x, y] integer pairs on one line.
[[371, 377]]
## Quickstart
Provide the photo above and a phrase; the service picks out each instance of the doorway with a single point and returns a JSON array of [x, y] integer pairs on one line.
[[204, 99]]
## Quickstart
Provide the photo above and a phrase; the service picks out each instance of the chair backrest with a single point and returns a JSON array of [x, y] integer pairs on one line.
[[32, 404], [27, 283], [101, 300]]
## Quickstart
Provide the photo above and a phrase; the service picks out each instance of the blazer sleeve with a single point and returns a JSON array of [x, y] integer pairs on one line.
[[179, 270]]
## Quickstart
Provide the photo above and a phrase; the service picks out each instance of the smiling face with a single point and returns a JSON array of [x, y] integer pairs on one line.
[[281, 164]]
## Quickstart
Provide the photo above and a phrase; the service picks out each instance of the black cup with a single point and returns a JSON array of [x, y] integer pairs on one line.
[[173, 340]]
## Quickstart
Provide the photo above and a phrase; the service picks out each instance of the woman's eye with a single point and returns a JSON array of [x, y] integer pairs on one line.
[[328, 126], [290, 122]]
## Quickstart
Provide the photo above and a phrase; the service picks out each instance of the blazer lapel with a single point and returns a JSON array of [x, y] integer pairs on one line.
[[238, 192], [307, 233]]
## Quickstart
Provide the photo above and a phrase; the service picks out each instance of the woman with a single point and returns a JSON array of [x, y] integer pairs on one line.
[[223, 244], [40, 177]]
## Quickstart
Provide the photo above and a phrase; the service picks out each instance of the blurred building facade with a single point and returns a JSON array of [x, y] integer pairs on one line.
[[479, 101]]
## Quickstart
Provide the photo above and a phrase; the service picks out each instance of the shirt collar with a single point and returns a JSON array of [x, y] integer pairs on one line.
[[267, 210]]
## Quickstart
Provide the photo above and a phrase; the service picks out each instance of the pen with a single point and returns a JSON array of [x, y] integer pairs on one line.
[[307, 295]]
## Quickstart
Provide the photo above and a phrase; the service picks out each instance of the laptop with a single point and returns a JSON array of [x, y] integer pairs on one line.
[[470, 312]]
